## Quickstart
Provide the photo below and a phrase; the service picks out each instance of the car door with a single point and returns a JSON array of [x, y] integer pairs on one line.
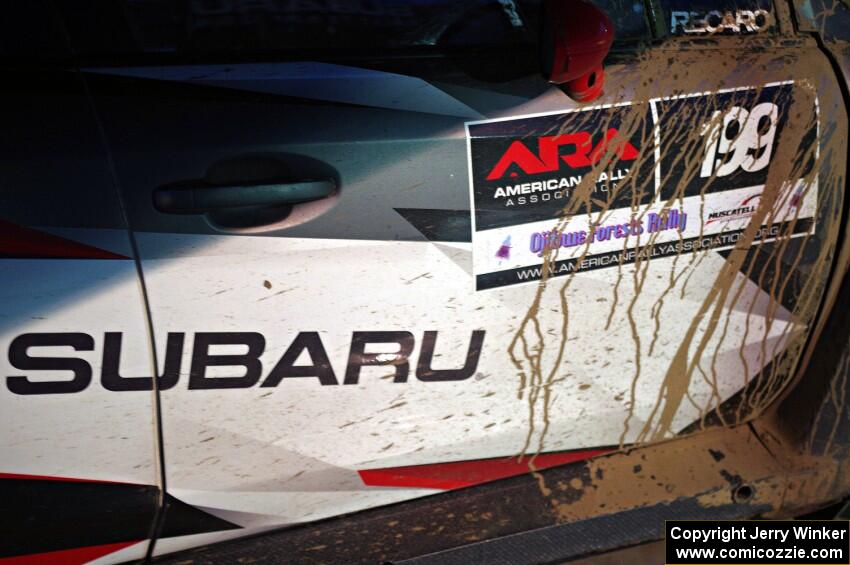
[[79, 471], [384, 255]]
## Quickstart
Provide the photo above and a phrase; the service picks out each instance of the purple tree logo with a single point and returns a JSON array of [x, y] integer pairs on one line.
[[504, 251]]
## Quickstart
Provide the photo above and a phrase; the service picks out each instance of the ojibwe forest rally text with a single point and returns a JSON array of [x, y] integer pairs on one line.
[[672, 220]]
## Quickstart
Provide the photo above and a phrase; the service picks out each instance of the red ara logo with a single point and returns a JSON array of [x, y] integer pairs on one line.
[[583, 155]]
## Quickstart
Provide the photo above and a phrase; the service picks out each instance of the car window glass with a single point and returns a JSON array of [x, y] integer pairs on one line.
[[204, 29], [830, 18], [235, 27], [629, 18], [30, 31]]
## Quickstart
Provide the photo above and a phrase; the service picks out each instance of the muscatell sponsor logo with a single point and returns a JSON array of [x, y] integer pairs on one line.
[[24, 356], [746, 209]]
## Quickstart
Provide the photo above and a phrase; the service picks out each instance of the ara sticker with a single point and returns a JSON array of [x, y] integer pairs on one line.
[[676, 175]]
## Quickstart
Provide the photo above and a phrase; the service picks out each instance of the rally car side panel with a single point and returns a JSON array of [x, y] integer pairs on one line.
[[292, 392], [341, 357], [79, 473]]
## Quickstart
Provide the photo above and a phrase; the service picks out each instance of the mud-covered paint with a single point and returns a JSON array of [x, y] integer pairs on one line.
[[696, 355]]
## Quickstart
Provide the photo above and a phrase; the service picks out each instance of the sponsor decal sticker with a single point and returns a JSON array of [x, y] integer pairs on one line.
[[524, 170], [747, 208], [26, 354], [684, 22], [504, 251]]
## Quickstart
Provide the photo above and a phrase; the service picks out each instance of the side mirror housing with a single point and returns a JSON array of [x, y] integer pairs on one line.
[[576, 38]]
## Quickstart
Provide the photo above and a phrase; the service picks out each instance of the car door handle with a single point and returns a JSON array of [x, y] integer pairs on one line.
[[199, 200]]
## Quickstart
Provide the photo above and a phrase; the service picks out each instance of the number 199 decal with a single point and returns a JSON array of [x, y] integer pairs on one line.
[[739, 133], [740, 139]]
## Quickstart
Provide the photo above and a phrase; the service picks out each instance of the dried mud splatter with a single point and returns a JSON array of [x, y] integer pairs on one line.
[[691, 67]]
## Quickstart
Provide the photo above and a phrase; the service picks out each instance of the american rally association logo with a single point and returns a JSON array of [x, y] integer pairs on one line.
[[584, 154], [526, 169], [576, 150]]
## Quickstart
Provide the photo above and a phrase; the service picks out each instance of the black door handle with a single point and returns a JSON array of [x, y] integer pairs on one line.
[[199, 200]]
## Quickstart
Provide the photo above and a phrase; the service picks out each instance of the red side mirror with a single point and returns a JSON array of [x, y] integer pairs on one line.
[[576, 38]]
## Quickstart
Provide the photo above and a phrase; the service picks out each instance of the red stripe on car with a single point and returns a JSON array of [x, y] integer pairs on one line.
[[21, 242], [74, 556], [459, 474]]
